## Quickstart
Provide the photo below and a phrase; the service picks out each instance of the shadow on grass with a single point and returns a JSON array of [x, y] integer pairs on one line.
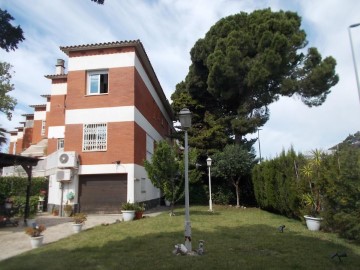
[[197, 213], [243, 247]]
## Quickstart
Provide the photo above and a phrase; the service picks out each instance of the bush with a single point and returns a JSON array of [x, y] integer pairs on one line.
[[16, 186], [276, 184], [20, 201], [342, 200], [223, 196], [279, 187]]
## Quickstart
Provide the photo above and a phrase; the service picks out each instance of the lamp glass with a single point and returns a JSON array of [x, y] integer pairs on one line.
[[208, 161], [185, 118]]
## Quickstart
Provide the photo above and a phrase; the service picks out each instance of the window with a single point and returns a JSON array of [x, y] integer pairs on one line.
[[98, 82], [60, 143], [143, 185], [95, 137], [43, 127], [149, 147]]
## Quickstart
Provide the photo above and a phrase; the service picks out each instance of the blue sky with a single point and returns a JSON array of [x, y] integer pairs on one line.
[[168, 29]]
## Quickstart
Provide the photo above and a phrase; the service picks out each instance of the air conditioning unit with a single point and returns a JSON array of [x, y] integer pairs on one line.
[[67, 160], [63, 175]]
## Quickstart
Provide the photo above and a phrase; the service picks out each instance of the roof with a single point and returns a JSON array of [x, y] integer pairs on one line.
[[28, 114], [143, 56], [36, 150], [56, 76], [7, 160], [115, 44], [37, 106], [45, 96]]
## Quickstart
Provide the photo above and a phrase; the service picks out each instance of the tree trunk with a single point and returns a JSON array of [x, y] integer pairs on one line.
[[237, 190]]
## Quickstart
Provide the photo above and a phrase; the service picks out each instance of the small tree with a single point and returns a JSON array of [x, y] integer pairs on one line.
[[232, 165], [163, 169], [312, 171]]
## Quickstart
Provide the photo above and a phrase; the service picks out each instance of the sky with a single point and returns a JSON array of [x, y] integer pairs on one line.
[[168, 30]]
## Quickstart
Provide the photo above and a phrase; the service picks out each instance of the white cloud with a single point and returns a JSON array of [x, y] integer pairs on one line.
[[168, 30]]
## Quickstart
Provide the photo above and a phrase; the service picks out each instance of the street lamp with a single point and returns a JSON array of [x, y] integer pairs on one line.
[[259, 143], [185, 120], [208, 161], [353, 56]]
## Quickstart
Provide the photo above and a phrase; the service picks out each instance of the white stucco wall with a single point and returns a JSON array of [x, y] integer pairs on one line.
[[58, 89], [56, 132]]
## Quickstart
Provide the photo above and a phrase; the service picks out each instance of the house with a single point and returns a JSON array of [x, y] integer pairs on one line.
[[100, 122]]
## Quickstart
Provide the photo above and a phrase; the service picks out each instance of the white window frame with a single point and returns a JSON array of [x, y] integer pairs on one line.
[[95, 76], [149, 147], [60, 143], [43, 127], [94, 137], [143, 185]]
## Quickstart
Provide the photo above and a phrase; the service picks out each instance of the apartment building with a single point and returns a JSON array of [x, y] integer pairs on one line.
[[100, 122]]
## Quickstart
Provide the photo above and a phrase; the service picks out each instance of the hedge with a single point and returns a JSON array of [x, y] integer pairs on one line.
[[16, 186], [279, 187]]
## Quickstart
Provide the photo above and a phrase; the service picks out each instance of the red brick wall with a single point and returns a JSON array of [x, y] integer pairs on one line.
[[11, 147], [52, 146], [27, 138], [37, 137], [120, 144], [37, 131], [19, 146], [56, 115], [146, 104], [121, 90], [140, 145]]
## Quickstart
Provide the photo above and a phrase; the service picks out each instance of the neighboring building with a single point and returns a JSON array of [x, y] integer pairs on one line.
[[99, 124]]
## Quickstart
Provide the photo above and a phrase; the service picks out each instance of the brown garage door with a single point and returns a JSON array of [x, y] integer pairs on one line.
[[102, 193]]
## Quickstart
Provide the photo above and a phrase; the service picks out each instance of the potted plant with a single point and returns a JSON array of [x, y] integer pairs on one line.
[[139, 210], [128, 211], [36, 238], [312, 199], [79, 220], [70, 196], [68, 209], [9, 202]]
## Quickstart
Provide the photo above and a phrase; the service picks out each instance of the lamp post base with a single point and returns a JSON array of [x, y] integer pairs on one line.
[[188, 236]]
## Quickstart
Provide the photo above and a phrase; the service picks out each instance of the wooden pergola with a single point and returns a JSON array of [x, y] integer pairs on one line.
[[7, 160]]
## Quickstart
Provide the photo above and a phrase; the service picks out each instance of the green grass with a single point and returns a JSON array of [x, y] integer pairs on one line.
[[234, 239]]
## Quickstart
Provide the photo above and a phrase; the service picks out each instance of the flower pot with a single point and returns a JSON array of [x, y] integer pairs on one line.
[[167, 203], [8, 205], [77, 227], [36, 241], [30, 222], [67, 213], [128, 215], [139, 214], [313, 223]]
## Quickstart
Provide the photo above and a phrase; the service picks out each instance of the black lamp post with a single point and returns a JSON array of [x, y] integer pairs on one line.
[[185, 120]]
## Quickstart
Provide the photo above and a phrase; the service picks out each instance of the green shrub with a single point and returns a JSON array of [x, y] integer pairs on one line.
[[20, 201], [223, 196], [342, 200], [279, 187], [276, 184], [16, 186]]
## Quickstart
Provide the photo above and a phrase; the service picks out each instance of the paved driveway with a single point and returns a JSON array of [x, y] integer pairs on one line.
[[14, 241]]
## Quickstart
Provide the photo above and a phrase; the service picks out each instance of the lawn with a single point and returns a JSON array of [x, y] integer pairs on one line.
[[234, 239]]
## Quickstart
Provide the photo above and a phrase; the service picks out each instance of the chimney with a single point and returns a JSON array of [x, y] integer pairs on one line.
[[60, 67]]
